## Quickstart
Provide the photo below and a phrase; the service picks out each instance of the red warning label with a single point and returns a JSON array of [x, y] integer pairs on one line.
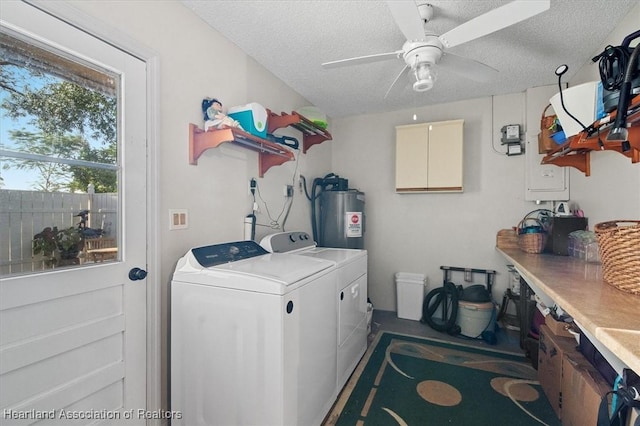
[[353, 224]]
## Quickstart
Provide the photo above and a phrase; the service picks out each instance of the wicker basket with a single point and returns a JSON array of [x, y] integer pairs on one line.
[[619, 245], [531, 242]]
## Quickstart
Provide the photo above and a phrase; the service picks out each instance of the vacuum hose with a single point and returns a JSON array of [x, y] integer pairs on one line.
[[328, 180], [314, 223], [445, 298]]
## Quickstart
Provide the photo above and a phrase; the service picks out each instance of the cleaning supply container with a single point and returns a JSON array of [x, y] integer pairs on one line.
[[410, 290], [474, 318], [252, 117]]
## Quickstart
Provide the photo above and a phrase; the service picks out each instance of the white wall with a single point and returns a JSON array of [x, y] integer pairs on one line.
[[196, 62], [420, 232]]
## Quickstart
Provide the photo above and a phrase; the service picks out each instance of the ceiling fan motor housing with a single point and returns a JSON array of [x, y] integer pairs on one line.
[[428, 50]]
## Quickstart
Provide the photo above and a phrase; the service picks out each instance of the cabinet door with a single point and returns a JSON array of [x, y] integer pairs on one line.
[[412, 151], [429, 157], [445, 156]]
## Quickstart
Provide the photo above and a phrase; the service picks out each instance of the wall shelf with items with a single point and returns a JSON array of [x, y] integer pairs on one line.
[[312, 134], [576, 151], [269, 154]]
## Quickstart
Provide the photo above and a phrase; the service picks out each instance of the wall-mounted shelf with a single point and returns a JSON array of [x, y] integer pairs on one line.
[[269, 153], [575, 152], [312, 134]]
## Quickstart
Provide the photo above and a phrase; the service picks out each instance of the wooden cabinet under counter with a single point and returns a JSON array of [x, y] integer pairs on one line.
[[604, 312]]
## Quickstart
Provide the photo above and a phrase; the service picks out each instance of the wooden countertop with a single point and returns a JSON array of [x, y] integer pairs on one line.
[[604, 312]]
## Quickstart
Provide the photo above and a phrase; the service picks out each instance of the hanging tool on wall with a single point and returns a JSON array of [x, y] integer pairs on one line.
[[250, 219], [289, 141]]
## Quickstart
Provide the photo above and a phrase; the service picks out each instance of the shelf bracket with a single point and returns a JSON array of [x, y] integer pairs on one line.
[[580, 160], [200, 141]]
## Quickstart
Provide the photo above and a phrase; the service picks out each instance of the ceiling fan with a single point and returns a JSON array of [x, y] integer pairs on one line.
[[423, 51]]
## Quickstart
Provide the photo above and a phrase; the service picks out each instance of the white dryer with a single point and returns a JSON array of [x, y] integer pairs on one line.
[[350, 293], [252, 337]]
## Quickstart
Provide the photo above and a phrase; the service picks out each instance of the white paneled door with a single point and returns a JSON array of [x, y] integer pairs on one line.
[[73, 339]]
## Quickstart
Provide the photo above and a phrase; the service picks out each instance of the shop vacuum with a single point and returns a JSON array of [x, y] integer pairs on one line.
[[337, 213], [614, 63]]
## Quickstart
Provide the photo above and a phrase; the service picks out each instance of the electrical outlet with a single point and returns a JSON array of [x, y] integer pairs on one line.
[[287, 191], [252, 186]]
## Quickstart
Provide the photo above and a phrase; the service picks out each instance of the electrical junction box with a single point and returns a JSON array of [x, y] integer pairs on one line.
[[514, 149], [510, 133]]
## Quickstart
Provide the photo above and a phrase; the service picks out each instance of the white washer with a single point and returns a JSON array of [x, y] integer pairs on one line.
[[351, 294], [252, 337]]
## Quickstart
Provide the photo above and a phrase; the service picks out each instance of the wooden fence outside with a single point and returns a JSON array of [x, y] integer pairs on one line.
[[24, 214]]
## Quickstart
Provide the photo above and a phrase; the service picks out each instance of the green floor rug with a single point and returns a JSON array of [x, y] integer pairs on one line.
[[407, 380]]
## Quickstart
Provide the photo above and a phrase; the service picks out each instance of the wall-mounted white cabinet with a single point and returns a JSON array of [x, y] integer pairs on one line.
[[429, 157]]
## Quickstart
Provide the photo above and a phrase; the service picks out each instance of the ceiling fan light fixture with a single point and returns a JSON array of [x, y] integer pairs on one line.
[[425, 77]]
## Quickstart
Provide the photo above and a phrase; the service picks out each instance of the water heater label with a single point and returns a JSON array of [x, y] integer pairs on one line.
[[353, 223]]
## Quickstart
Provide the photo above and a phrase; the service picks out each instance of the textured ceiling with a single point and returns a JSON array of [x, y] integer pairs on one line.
[[292, 39]]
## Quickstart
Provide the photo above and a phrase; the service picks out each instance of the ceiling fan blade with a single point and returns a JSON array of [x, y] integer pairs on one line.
[[406, 15], [395, 81], [497, 19], [363, 59], [468, 68]]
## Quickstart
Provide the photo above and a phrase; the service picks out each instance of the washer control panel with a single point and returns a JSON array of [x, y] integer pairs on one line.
[[228, 252], [283, 242]]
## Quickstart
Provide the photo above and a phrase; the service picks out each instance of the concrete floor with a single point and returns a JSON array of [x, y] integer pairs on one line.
[[507, 340]]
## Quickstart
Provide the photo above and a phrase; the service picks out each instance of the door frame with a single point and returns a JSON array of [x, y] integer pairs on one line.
[[116, 38]]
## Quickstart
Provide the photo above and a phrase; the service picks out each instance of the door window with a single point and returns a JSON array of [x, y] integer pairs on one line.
[[59, 158]]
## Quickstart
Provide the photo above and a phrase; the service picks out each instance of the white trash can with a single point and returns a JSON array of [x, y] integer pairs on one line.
[[410, 289]]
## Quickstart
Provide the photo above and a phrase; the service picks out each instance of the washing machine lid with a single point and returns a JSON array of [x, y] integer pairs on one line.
[[281, 267], [245, 265]]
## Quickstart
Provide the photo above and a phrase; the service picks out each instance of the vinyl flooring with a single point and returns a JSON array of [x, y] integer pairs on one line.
[[507, 340]]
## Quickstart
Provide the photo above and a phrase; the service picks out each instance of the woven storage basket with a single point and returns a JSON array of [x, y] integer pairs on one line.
[[619, 245], [531, 242]]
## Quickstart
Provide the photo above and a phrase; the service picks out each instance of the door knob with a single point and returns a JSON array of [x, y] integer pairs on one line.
[[137, 274]]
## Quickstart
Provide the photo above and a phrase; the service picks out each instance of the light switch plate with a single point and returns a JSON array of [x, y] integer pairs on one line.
[[178, 219]]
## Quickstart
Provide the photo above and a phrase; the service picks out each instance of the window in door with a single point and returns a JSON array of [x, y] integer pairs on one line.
[[59, 166]]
